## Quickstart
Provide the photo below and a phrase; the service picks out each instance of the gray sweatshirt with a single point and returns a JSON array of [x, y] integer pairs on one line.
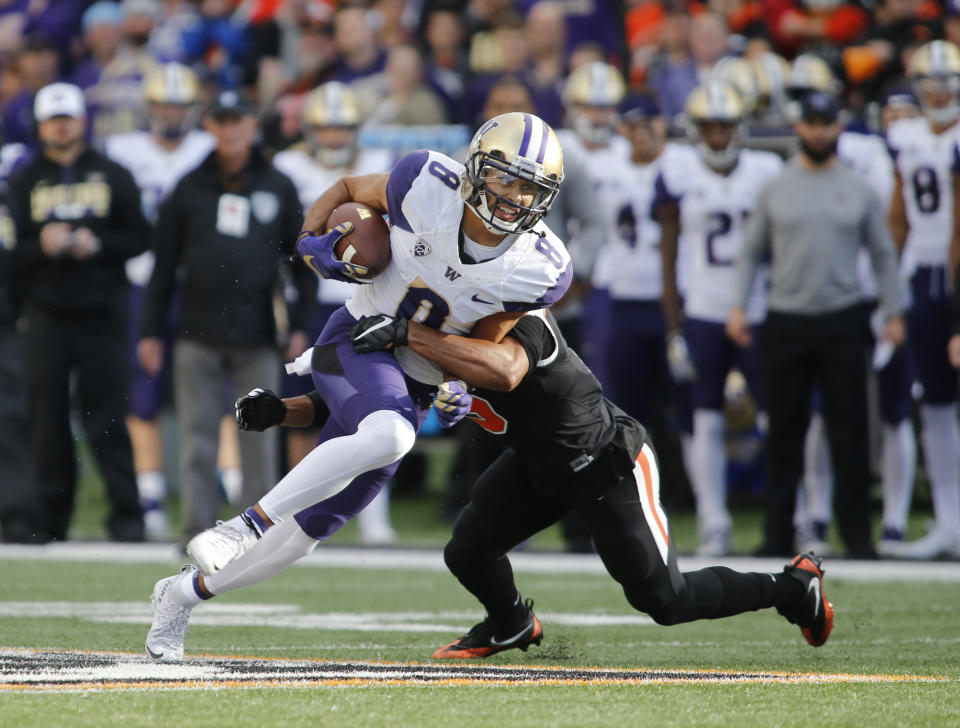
[[812, 223]]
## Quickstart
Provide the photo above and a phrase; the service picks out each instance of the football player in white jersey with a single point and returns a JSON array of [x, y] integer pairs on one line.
[[468, 254], [330, 122], [636, 357], [707, 197], [925, 222], [591, 97], [157, 158]]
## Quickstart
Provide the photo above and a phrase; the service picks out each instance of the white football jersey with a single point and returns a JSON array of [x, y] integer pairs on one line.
[[926, 163], [867, 155], [312, 179], [597, 163], [156, 172], [632, 269], [429, 281], [713, 211]]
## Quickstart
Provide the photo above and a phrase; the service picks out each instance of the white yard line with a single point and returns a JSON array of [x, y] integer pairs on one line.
[[431, 560]]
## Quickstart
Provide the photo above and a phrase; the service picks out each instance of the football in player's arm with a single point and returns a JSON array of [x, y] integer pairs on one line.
[[468, 252]]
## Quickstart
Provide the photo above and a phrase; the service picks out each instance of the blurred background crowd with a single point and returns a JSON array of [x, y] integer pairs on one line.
[[316, 89]]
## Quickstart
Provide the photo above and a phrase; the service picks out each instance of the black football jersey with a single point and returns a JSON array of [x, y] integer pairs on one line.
[[558, 412]]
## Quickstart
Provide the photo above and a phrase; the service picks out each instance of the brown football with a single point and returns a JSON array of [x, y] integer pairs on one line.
[[369, 243]]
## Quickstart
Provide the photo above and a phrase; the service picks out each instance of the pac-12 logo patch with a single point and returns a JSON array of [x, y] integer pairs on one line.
[[421, 248]]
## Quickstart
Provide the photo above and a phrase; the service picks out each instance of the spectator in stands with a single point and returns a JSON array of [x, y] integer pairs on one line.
[[78, 219], [115, 103], [445, 58], [360, 54], [223, 232], [796, 25], [37, 65], [404, 97], [546, 36], [171, 22], [57, 21], [217, 43], [392, 23], [101, 40]]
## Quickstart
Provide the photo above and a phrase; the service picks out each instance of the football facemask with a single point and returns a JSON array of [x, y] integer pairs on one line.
[[510, 147]]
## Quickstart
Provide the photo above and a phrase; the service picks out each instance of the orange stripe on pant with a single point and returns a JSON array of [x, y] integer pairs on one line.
[[644, 462]]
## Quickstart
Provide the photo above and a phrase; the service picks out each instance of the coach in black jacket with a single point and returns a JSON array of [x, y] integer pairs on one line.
[[78, 221], [221, 238]]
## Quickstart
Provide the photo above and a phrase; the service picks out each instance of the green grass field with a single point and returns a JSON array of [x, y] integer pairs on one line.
[[882, 628], [892, 629]]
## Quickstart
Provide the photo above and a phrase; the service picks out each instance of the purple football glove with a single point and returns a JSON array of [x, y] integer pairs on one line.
[[452, 402], [317, 252]]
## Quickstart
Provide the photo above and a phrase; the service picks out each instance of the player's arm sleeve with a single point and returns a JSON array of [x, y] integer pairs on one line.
[[882, 255], [128, 233], [404, 173], [533, 334], [756, 245], [167, 248]]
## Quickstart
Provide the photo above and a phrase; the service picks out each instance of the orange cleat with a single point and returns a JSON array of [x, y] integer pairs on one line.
[[481, 641], [813, 614]]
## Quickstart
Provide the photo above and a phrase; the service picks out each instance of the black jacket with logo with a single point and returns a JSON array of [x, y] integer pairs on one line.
[[222, 241], [96, 193]]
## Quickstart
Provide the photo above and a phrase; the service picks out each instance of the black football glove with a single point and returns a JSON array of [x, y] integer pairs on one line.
[[259, 409], [378, 333]]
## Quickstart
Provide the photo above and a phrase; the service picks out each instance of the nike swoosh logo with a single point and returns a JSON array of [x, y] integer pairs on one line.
[[154, 655], [815, 585], [503, 643], [477, 298], [385, 322]]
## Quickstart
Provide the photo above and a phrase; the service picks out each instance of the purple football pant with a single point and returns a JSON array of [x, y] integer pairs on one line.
[[354, 386], [148, 392], [714, 355], [928, 330], [636, 358]]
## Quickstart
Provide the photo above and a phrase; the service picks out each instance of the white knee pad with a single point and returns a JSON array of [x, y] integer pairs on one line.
[[388, 434]]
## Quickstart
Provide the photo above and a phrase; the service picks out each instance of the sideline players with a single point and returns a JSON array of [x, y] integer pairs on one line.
[[468, 253], [157, 159], [925, 222], [707, 199]]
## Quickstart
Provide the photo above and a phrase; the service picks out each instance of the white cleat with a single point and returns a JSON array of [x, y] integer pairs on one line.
[[715, 543], [216, 547], [940, 543], [165, 638]]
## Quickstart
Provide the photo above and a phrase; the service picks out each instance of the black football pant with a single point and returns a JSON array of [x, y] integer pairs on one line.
[[19, 506], [828, 350], [93, 348], [506, 508]]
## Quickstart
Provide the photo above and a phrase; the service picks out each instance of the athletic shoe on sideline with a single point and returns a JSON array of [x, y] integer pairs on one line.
[[165, 638], [216, 547], [939, 543], [480, 641], [813, 614]]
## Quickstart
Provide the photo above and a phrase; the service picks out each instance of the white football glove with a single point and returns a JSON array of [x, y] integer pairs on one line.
[[679, 359]]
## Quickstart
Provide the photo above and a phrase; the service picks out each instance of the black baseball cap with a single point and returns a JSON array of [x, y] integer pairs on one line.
[[818, 106], [230, 102], [639, 107]]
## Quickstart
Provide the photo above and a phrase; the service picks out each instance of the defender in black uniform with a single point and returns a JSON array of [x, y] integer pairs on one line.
[[570, 449]]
